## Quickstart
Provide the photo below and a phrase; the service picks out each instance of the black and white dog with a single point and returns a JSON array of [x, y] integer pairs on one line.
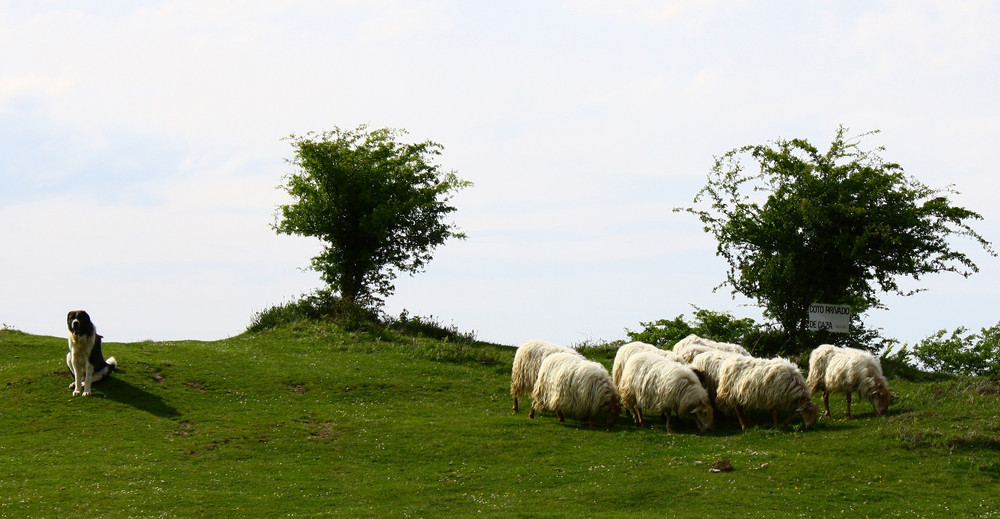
[[85, 359]]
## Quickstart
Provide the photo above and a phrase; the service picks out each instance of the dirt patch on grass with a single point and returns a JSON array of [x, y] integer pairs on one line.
[[986, 387], [324, 431], [298, 389], [186, 428], [196, 385]]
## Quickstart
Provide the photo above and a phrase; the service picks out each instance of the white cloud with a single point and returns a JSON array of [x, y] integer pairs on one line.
[[14, 87], [657, 12]]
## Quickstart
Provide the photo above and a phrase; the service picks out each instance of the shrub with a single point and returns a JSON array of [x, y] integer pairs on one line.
[[429, 327], [899, 364], [762, 340], [718, 326], [961, 352], [317, 306]]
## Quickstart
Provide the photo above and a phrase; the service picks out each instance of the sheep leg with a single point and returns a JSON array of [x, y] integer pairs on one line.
[[515, 404], [849, 417], [667, 415], [826, 402], [532, 413], [744, 423], [560, 415], [774, 416], [638, 414]]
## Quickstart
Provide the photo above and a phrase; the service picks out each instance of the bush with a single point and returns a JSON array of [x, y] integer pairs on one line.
[[762, 340], [317, 306], [718, 326], [324, 306], [899, 364], [962, 353], [429, 327]]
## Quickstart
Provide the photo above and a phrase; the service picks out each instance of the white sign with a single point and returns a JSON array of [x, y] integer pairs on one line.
[[834, 318]]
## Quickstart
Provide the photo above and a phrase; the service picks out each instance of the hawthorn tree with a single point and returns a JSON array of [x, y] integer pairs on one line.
[[839, 227], [378, 204]]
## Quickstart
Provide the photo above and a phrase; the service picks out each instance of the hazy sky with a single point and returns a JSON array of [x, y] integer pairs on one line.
[[142, 148]]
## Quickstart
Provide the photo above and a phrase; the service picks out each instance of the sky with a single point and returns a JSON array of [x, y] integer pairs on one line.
[[142, 149]]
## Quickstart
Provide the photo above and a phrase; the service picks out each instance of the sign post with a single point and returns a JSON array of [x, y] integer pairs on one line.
[[834, 318]]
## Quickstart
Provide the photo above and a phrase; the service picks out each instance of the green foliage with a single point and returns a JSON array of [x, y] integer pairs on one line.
[[899, 363], [962, 352], [761, 339], [837, 227], [311, 420], [319, 305], [429, 327], [322, 310], [718, 326], [377, 204]]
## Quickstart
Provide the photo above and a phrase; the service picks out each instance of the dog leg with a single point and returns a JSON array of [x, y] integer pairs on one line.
[[80, 376], [72, 371], [88, 378]]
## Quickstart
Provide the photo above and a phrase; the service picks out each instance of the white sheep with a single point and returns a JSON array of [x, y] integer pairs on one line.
[[625, 352], [773, 385], [571, 385], [833, 369], [818, 359], [527, 360], [709, 364], [692, 345], [652, 381]]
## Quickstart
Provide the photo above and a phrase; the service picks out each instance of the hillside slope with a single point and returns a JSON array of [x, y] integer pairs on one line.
[[311, 420]]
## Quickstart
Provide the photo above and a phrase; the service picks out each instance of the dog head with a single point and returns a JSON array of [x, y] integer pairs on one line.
[[79, 323]]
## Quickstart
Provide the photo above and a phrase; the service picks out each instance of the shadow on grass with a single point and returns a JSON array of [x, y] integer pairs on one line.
[[724, 426], [123, 392]]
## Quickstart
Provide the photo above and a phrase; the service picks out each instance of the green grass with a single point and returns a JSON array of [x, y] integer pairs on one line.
[[309, 420]]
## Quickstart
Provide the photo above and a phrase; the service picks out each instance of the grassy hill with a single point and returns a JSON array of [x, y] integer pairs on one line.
[[310, 420]]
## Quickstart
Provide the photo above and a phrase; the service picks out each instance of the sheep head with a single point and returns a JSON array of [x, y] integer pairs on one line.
[[614, 411], [880, 400], [810, 412], [704, 417]]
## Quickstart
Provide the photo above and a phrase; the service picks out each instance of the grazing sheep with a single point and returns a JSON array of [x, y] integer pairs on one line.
[[833, 369], [527, 360], [652, 381], [627, 351], [692, 345], [766, 384], [818, 359], [709, 364], [572, 385]]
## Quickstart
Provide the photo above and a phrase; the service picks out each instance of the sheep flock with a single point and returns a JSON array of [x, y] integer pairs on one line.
[[698, 380]]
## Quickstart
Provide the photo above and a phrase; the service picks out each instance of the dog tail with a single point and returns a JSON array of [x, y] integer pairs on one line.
[[112, 364]]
